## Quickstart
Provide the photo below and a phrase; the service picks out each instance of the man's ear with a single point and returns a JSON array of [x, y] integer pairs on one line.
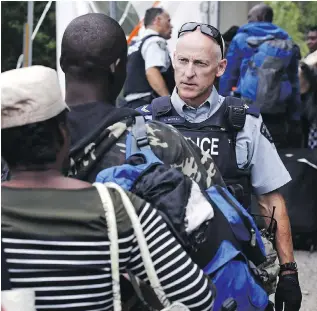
[[174, 59], [65, 134], [221, 68], [157, 20], [114, 65]]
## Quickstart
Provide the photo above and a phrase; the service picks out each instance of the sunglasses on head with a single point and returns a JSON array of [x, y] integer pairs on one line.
[[206, 30]]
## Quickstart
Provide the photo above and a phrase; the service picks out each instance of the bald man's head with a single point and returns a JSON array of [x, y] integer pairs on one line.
[[197, 62], [196, 40], [92, 44], [260, 13]]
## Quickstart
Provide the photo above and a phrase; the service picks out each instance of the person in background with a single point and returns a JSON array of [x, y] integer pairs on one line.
[[308, 88], [53, 228], [228, 36], [149, 71], [311, 39], [263, 65]]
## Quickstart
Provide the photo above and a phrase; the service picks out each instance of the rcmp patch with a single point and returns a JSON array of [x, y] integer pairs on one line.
[[144, 108], [161, 44], [265, 132]]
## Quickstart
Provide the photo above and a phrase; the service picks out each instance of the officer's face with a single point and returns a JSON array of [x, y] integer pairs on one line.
[[197, 62], [164, 25]]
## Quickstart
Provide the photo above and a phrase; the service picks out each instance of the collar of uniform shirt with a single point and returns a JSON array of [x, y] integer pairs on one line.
[[200, 114], [148, 32]]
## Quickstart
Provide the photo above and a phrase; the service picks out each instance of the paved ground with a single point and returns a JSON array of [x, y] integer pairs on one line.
[[307, 266]]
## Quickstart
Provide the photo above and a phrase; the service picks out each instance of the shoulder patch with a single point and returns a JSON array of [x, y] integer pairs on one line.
[[145, 110], [161, 44], [252, 110], [265, 132]]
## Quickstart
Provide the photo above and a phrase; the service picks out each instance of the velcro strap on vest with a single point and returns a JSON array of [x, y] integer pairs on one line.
[[160, 106]]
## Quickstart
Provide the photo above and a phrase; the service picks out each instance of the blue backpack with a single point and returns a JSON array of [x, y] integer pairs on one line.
[[232, 246], [265, 82]]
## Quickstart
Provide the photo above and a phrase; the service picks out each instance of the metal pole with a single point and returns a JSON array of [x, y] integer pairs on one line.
[[208, 13], [39, 23], [30, 31], [26, 35], [218, 14], [113, 9]]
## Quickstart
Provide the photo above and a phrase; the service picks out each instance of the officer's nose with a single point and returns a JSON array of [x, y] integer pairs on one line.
[[189, 71]]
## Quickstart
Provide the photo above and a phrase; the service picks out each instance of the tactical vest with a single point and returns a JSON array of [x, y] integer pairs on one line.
[[216, 136], [136, 81]]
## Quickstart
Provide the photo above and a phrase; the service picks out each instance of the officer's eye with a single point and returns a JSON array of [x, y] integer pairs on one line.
[[183, 60], [200, 63]]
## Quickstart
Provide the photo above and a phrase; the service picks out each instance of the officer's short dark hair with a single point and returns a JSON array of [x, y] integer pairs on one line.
[[312, 28], [150, 15], [90, 44], [267, 13]]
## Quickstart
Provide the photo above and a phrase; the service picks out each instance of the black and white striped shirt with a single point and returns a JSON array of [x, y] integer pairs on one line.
[[55, 242]]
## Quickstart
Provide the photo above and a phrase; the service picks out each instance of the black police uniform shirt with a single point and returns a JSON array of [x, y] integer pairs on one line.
[[254, 150]]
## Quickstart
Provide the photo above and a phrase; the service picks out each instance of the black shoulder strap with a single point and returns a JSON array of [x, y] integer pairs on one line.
[[145, 38], [139, 136], [161, 106]]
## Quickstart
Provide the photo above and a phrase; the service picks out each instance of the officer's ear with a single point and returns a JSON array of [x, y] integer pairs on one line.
[[157, 20], [174, 58], [221, 68]]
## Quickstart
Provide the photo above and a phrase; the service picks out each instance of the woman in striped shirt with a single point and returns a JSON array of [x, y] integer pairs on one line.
[[54, 231]]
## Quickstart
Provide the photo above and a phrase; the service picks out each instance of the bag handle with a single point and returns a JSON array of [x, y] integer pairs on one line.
[[114, 244], [114, 251]]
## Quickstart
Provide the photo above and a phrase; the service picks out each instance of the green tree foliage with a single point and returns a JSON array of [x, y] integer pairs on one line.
[[13, 18], [309, 15], [295, 17]]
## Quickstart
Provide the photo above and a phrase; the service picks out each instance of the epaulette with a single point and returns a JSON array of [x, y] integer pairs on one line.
[[252, 110], [145, 110]]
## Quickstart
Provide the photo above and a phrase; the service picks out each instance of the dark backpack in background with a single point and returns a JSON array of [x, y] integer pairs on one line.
[[300, 196], [266, 83]]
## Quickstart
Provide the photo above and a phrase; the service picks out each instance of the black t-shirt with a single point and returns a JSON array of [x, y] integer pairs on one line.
[[83, 118]]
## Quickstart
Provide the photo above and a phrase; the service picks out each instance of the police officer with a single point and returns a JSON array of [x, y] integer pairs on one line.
[[234, 134], [149, 70]]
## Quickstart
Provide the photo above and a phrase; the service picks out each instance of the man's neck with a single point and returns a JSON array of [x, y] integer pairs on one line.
[[152, 27], [82, 93], [196, 102], [50, 178]]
